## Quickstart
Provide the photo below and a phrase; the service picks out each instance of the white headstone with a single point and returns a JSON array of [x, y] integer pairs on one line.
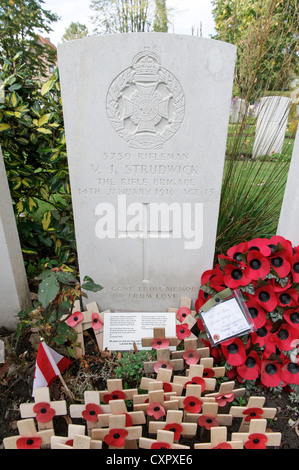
[[288, 226], [238, 109], [146, 117], [272, 117], [14, 291]]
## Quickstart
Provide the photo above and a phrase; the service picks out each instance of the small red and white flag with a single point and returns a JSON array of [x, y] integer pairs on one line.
[[49, 365]]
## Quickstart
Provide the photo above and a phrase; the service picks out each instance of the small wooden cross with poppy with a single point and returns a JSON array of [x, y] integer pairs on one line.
[[164, 376], [209, 418], [209, 370], [174, 422], [165, 440], [195, 376], [75, 439], [185, 318], [219, 440], [192, 353], [257, 437], [156, 403], [115, 391], [161, 344], [227, 393], [119, 407], [193, 400], [117, 435], [29, 437], [75, 321], [90, 410], [253, 410], [43, 409]]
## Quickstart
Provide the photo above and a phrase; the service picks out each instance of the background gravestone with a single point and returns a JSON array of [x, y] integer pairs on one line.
[[146, 118], [272, 117], [14, 291], [288, 226]]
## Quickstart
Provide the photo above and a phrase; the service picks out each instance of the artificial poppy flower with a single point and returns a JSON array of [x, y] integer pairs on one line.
[[176, 428], [44, 412], [225, 398], [156, 410], [160, 445], [91, 412], [162, 365], [256, 441], [197, 381], [167, 387], [231, 373], [284, 337], [280, 244], [236, 251], [290, 373], [234, 351], [252, 413], [250, 370], [192, 404], [278, 287], [288, 298], [182, 313], [29, 442], [292, 317], [270, 373], [280, 262], [266, 297], [191, 356], [74, 319], [262, 334], [207, 421], [97, 324], [208, 373], [261, 245], [235, 277], [295, 267], [202, 298], [256, 312], [182, 331], [129, 421], [200, 324], [222, 445], [209, 274], [115, 395], [160, 343], [257, 265], [116, 437]]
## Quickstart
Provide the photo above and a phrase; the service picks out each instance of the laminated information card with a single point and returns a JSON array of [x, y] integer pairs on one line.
[[123, 329]]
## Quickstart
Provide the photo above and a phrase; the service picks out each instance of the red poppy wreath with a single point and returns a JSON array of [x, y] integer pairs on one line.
[[266, 271]]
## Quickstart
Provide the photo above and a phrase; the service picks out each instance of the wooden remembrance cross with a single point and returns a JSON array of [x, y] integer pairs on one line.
[[253, 410], [219, 440], [163, 354], [76, 439], [28, 436], [118, 434], [90, 410], [173, 419], [165, 440], [257, 434]]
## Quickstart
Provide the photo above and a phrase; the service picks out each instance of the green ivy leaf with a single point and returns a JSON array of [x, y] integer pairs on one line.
[[48, 290]]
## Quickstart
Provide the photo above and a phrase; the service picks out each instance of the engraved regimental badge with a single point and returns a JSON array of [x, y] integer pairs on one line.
[[146, 103]]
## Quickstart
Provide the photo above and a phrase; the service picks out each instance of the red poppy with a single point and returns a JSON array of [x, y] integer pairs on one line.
[[91, 412], [192, 404], [250, 370], [200, 324], [284, 337], [253, 413], [234, 351], [44, 412], [202, 298], [162, 365], [266, 297], [256, 312], [208, 421], [257, 265], [281, 264], [261, 335], [223, 445], [160, 343], [176, 428], [182, 331], [222, 400], [285, 245], [278, 287], [74, 319], [235, 277], [29, 442], [292, 317], [236, 251], [160, 445], [115, 395], [295, 267], [182, 313], [129, 421], [191, 356], [261, 245], [288, 298], [208, 373], [116, 437], [156, 410], [167, 387], [290, 373], [197, 381], [256, 441], [97, 324], [208, 275], [270, 373]]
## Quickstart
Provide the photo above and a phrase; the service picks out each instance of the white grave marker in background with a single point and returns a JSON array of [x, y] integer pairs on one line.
[[14, 291], [146, 118]]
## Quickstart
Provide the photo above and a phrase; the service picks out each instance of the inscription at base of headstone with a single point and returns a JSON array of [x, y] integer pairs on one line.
[[145, 161]]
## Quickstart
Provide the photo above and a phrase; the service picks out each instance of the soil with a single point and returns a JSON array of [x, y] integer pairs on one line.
[[91, 372]]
